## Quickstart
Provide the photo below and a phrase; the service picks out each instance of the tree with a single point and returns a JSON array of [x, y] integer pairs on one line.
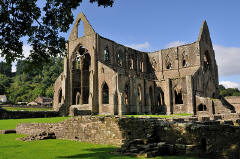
[[5, 68], [229, 91], [40, 26], [4, 83], [27, 86]]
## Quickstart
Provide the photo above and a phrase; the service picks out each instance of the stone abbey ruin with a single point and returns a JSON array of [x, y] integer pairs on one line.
[[103, 77]]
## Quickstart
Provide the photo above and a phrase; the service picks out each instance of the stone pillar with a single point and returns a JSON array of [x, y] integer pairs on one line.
[[168, 96], [190, 95], [81, 82], [120, 103]]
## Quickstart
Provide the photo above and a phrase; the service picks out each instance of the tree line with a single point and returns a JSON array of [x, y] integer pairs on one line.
[[26, 85]]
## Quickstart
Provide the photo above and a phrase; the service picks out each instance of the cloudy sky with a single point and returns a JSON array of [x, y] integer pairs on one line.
[[150, 25]]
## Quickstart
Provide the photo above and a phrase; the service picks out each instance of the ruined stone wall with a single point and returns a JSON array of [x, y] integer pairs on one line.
[[235, 101], [209, 138]]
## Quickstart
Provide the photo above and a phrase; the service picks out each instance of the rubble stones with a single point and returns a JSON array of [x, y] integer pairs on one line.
[[42, 136]]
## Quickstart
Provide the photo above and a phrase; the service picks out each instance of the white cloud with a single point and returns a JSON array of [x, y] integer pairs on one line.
[[143, 47], [175, 44], [229, 84], [228, 60]]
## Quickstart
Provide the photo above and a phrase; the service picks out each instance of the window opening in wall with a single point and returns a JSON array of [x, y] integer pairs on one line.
[[184, 63], [169, 66], [139, 93], [131, 63], [119, 59], [60, 96], [141, 66], [77, 62], [178, 97], [126, 94], [106, 55], [105, 94], [206, 60], [202, 107], [82, 50], [80, 29], [78, 98]]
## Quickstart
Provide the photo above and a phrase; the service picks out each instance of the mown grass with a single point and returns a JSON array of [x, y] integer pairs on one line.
[[11, 123], [161, 116], [26, 109], [10, 148]]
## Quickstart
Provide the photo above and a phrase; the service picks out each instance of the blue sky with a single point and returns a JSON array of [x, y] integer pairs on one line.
[[150, 25]]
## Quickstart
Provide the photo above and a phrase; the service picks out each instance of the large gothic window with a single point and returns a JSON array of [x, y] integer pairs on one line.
[[105, 94]]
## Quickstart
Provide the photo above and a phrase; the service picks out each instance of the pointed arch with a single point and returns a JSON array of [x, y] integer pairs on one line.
[[105, 93]]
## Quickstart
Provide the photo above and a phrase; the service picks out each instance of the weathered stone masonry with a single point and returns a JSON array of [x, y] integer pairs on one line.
[[103, 77], [209, 138]]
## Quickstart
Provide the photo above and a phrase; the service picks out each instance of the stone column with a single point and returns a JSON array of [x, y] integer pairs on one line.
[[190, 95], [168, 96], [81, 80]]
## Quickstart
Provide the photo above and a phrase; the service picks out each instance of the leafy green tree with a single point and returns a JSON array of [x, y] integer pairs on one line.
[[5, 68], [229, 91], [4, 84], [27, 86], [41, 27]]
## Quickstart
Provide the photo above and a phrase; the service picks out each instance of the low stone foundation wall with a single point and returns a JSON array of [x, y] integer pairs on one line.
[[210, 138], [4, 114]]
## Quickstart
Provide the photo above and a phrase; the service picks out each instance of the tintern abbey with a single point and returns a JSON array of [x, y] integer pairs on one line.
[[103, 77]]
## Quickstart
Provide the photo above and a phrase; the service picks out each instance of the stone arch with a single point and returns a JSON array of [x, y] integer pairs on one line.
[[105, 93], [202, 107]]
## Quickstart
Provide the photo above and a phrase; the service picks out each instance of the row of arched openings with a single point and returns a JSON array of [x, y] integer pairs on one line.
[[119, 58]]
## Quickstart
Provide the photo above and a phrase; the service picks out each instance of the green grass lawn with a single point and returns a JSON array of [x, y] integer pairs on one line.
[[11, 123], [10, 148], [27, 109]]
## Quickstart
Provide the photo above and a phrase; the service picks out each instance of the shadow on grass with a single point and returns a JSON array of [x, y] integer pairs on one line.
[[97, 153]]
